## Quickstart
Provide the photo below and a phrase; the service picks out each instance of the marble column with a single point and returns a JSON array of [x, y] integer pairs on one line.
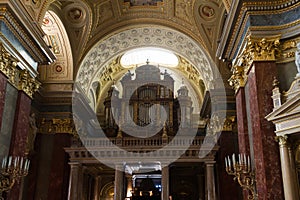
[[97, 187], [227, 146], [263, 147], [242, 126], [19, 136], [210, 181], [294, 170], [287, 175], [3, 82], [75, 181], [119, 182], [59, 167], [165, 183]]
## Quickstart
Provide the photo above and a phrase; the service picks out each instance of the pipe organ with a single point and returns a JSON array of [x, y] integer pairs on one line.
[[147, 100]]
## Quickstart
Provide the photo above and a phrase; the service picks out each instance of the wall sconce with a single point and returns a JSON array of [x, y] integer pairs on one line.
[[241, 170], [12, 169]]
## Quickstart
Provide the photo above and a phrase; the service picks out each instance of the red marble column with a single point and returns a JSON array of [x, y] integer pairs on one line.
[[242, 126], [265, 148], [59, 173], [19, 135], [3, 82], [227, 187]]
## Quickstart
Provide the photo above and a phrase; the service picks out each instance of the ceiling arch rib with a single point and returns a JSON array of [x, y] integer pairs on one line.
[[156, 36]]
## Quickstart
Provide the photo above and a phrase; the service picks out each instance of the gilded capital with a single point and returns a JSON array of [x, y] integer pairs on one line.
[[8, 65], [237, 78], [263, 49], [282, 140], [27, 83]]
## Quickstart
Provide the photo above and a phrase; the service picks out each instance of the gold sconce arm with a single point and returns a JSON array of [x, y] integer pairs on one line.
[[12, 169], [242, 172]]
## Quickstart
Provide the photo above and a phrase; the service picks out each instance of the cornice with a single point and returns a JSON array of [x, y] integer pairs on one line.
[[21, 79], [28, 34], [241, 26]]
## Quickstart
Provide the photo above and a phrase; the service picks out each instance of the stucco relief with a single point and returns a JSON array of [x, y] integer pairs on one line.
[[184, 10], [104, 51]]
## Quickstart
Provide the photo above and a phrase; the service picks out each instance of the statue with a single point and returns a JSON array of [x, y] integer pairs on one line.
[[32, 133], [297, 59]]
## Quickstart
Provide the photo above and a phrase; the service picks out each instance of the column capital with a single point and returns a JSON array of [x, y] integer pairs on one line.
[[257, 49], [282, 140], [210, 162]]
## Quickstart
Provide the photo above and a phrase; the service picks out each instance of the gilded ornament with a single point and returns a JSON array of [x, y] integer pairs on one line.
[[57, 125], [263, 49], [8, 64], [257, 49], [27, 83], [237, 78], [216, 124]]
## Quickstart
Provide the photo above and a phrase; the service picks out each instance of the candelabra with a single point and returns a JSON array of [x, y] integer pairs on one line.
[[241, 170], [12, 169]]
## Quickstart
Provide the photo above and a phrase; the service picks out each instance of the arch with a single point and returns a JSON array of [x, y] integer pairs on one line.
[[106, 192], [153, 36], [57, 38]]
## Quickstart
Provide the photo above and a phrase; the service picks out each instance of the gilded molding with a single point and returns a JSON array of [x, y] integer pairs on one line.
[[57, 126], [282, 140]]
